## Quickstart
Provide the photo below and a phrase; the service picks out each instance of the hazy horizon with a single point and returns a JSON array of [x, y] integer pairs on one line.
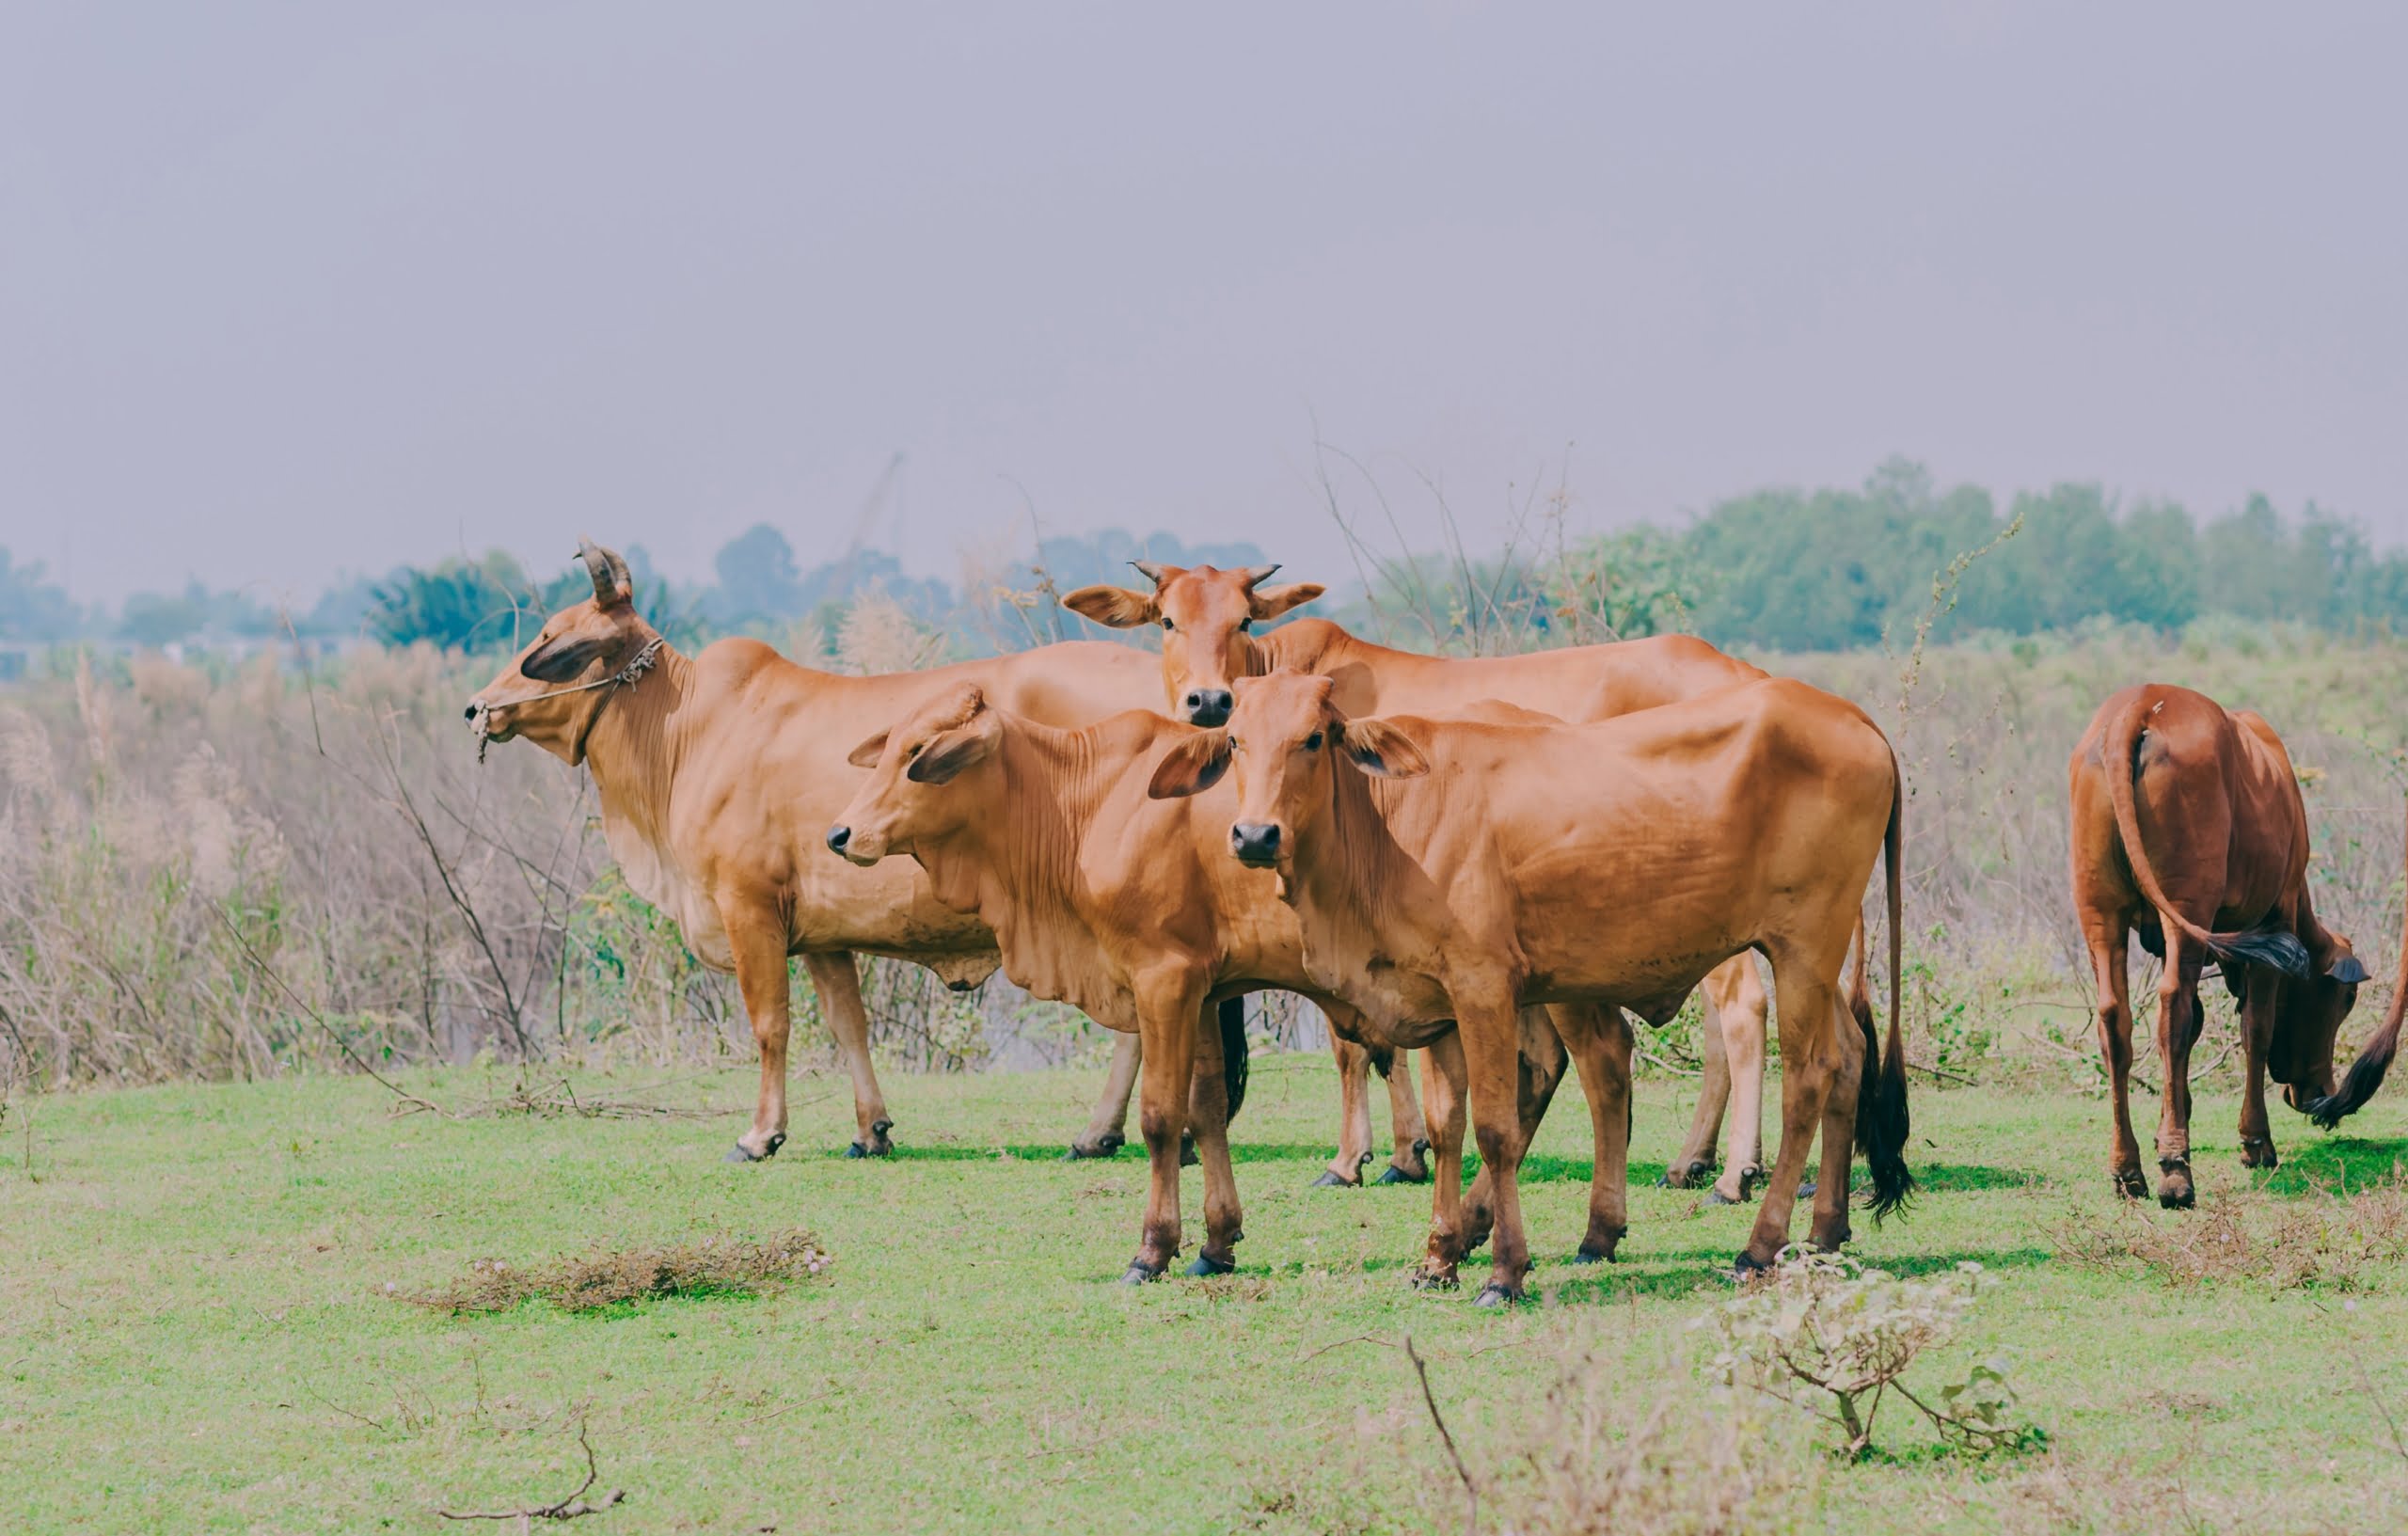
[[285, 293]]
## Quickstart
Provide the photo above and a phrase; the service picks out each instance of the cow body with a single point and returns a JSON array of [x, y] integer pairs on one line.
[[1207, 616], [718, 774], [2187, 828], [1104, 897], [1467, 869]]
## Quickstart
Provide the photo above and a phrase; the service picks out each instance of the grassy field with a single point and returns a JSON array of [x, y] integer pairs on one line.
[[197, 1335]]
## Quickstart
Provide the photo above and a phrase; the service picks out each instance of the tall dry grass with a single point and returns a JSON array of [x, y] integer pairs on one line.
[[231, 872]]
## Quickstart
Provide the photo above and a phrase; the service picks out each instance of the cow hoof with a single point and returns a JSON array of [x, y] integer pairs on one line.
[[1716, 1197], [1806, 1190], [1586, 1255], [1187, 1158], [2177, 1197], [854, 1151], [2130, 1185], [1496, 1293], [1685, 1175], [1747, 1268], [1138, 1273], [1100, 1146], [1330, 1179], [742, 1153], [1206, 1264], [2258, 1152], [1431, 1280], [1394, 1175]]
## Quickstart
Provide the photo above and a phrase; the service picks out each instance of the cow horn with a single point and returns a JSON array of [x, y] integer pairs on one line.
[[620, 573], [1150, 571], [1255, 575], [597, 566]]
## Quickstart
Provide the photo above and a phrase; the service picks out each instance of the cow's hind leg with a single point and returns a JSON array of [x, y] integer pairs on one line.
[[1742, 1016], [2107, 939], [1829, 1228], [1490, 1029], [2178, 1027], [1599, 1041], [1106, 1131], [839, 986], [1345, 1169], [1409, 1162], [1538, 1072], [2257, 1039], [1209, 1113], [1807, 1006]]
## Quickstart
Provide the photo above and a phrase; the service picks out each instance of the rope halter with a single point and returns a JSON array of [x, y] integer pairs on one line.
[[637, 664]]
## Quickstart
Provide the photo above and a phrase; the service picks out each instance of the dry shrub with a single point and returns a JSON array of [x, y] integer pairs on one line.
[[2342, 1241], [1693, 1463], [715, 1266]]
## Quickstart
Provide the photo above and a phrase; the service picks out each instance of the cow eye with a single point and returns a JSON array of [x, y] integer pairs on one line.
[[1168, 627], [1312, 742], [1245, 626]]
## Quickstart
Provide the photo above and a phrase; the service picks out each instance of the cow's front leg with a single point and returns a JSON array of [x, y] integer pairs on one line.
[[1490, 1032], [758, 939], [2257, 1039], [1167, 1012]]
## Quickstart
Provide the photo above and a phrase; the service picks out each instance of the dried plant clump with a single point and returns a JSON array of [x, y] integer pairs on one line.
[[2340, 1242], [715, 1266]]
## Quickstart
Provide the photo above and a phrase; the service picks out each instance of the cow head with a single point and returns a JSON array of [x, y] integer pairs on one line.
[[1205, 614], [905, 800], [584, 642], [1286, 741], [2308, 1012]]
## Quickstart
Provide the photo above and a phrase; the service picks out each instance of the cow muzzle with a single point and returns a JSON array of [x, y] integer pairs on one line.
[[853, 847], [1207, 706], [1256, 843]]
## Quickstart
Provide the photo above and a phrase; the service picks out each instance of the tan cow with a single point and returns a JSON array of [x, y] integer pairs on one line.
[[1208, 618], [2188, 827], [719, 773], [1123, 903], [1467, 869]]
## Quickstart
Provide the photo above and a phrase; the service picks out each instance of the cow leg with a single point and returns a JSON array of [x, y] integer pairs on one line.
[[1345, 1169], [1209, 1113], [1806, 1007], [2178, 1027], [1167, 1014], [1599, 1041], [839, 986], [1106, 1128], [1407, 1164], [2107, 938], [1539, 1072], [1829, 1228], [759, 944], [1442, 1098], [1743, 1051], [2257, 1039], [1694, 1164], [1489, 1030]]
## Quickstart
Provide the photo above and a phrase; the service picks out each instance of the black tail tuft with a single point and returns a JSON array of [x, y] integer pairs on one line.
[[1881, 1121], [2357, 1086], [1233, 1056], [1383, 1061], [2275, 947]]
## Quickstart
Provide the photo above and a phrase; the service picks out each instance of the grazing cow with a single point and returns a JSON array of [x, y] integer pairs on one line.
[[1208, 617], [1123, 903], [1465, 869], [2187, 828], [718, 773]]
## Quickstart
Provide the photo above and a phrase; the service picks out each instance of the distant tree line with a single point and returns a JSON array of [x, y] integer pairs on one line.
[[1782, 569]]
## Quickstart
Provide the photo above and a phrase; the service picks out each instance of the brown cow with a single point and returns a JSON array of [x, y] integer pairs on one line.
[[1467, 869], [719, 773], [2187, 825], [1208, 617], [1122, 903]]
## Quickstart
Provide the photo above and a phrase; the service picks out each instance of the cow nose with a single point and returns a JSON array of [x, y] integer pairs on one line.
[[469, 713], [838, 837], [1208, 706], [1255, 841]]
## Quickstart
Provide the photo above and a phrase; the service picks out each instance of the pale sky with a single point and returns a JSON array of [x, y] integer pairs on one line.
[[291, 289]]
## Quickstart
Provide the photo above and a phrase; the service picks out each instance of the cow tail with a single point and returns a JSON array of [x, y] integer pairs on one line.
[[1233, 1056], [2374, 1058], [1383, 1061], [2120, 753], [1881, 1120]]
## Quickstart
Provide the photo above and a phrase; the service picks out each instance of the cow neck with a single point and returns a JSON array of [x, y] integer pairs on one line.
[[1346, 883], [634, 747], [1306, 646]]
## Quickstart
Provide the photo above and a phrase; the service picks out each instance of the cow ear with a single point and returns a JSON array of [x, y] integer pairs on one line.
[[1380, 748], [950, 755], [868, 753], [1115, 607], [2346, 968], [1192, 767], [1268, 604], [559, 660]]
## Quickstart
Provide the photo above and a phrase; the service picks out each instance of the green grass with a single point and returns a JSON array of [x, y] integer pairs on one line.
[[195, 1336]]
